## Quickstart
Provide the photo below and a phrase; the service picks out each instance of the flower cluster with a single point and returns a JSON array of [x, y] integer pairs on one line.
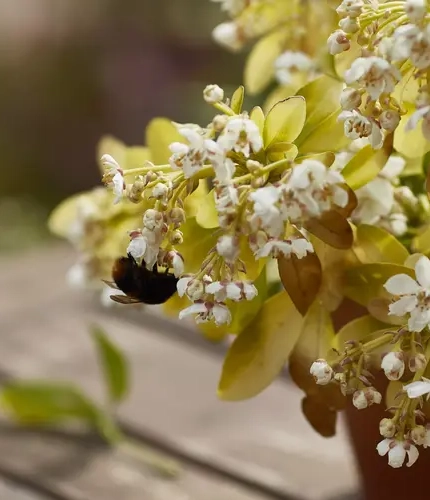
[[394, 41], [259, 204]]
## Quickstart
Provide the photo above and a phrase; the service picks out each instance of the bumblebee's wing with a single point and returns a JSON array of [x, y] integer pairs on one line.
[[124, 299], [111, 284]]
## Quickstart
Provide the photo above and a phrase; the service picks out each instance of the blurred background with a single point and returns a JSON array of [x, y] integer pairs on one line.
[[71, 72]]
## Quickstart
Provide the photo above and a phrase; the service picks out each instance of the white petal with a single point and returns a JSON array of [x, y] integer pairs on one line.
[[397, 455], [401, 284], [182, 284], [250, 291], [416, 117], [422, 271], [118, 187], [137, 247], [234, 292], [413, 454], [417, 322], [340, 197], [194, 309], [417, 389], [383, 447], [215, 287], [221, 314], [404, 305]]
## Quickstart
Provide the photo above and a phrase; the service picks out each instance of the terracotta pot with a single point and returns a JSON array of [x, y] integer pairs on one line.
[[379, 480]]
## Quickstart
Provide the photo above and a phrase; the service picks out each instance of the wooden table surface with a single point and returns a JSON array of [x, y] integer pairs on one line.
[[258, 449]]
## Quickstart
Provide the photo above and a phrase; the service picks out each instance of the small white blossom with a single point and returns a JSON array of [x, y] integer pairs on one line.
[[387, 428], [299, 247], [160, 191], [290, 61], [420, 114], [114, 176], [153, 219], [266, 213], [349, 25], [418, 388], [393, 365], [193, 288], [213, 93], [350, 8], [241, 135], [321, 371], [357, 126], [389, 120], [412, 42], [228, 248], [397, 451], [377, 75], [207, 311], [190, 158], [416, 10], [418, 435], [414, 296], [145, 244], [232, 7], [366, 397], [224, 167], [177, 263], [232, 290], [229, 35], [338, 42]]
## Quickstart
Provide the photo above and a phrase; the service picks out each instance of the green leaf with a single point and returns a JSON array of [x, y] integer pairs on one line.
[[366, 282], [366, 164], [374, 244], [258, 354], [43, 403], [257, 116], [322, 131], [259, 67], [421, 242], [114, 365], [284, 121], [410, 143], [237, 99], [160, 133]]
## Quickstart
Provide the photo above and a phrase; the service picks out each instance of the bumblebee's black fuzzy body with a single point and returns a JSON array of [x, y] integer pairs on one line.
[[141, 285]]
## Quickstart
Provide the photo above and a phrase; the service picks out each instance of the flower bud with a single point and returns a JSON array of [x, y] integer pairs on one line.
[[349, 25], [195, 290], [351, 8], [387, 428], [219, 122], [393, 365], [228, 247], [389, 119], [350, 99], [254, 166], [152, 219], [417, 362], [418, 435], [176, 237], [160, 190], [136, 189], [177, 215], [229, 35], [177, 262], [321, 371], [213, 93], [359, 400], [338, 42], [416, 10]]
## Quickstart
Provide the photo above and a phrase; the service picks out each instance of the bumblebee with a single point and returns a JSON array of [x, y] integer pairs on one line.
[[139, 284]]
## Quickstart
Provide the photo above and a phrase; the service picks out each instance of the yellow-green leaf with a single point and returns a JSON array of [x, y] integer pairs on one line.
[[114, 366], [357, 329], [284, 121], [315, 341], [421, 242], [327, 158], [259, 67], [160, 133], [237, 99], [257, 116], [366, 282], [365, 165], [332, 228], [42, 403], [411, 143], [301, 279], [321, 417], [207, 216], [109, 145], [258, 354], [281, 92], [281, 150], [253, 266], [198, 241], [194, 201], [322, 131], [374, 244]]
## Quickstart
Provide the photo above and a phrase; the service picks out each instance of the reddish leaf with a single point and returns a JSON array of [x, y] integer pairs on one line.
[[319, 415], [332, 228], [301, 279]]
